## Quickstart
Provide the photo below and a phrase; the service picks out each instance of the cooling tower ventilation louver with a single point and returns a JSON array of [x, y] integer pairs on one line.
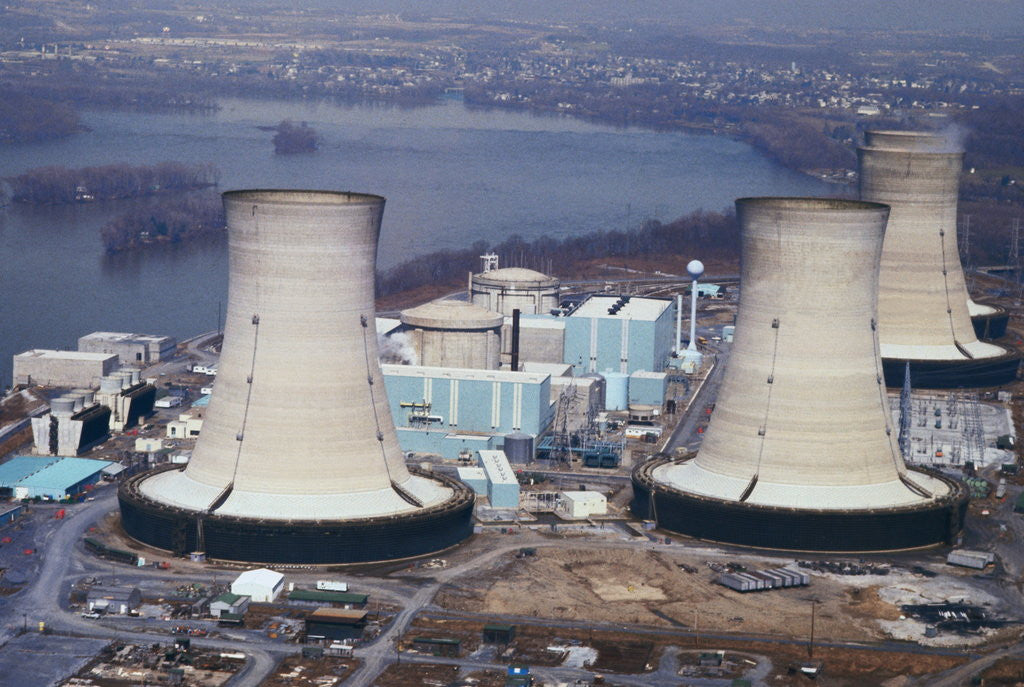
[[298, 460], [799, 453]]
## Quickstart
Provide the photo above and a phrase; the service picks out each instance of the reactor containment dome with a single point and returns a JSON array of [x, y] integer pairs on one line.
[[800, 452], [515, 288], [298, 460], [924, 310]]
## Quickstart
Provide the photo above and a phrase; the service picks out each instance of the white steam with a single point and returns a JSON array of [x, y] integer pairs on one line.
[[397, 349]]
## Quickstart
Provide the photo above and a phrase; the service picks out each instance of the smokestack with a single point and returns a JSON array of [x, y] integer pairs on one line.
[[923, 305], [298, 460], [800, 453], [515, 340]]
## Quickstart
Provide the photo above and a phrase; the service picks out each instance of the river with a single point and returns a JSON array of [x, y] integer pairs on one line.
[[451, 175]]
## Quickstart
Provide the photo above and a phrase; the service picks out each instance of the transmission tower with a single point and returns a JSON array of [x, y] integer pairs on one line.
[[1015, 259], [906, 415]]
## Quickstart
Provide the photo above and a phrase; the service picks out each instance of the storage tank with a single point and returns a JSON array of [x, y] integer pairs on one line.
[[450, 333], [510, 288], [924, 309], [800, 452], [298, 460], [519, 447], [616, 390], [88, 396], [77, 400]]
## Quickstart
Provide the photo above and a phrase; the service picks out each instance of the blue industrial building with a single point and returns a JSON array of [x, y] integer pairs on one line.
[[620, 333], [449, 410], [648, 388], [51, 477], [502, 485]]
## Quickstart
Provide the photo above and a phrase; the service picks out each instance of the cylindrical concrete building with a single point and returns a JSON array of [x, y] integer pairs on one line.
[[298, 460], [800, 452], [449, 333], [515, 288], [924, 310]]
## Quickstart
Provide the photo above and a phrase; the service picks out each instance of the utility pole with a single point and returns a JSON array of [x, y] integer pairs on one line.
[[810, 645]]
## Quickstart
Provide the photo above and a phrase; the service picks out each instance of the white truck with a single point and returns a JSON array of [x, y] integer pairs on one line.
[[331, 586]]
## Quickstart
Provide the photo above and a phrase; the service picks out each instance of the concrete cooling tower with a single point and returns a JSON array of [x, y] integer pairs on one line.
[[800, 452], [298, 461], [924, 310]]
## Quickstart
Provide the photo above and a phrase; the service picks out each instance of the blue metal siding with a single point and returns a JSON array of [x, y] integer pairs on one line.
[[20, 467], [441, 442], [475, 409], [648, 347], [503, 495], [647, 391], [65, 477]]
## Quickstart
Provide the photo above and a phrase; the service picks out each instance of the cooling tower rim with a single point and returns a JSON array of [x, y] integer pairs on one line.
[[643, 474], [926, 142], [302, 197], [809, 203], [130, 490]]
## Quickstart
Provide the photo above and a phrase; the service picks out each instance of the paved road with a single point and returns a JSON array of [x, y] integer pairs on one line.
[[42, 599], [685, 433]]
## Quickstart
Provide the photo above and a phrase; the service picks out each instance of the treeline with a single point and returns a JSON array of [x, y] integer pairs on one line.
[[166, 222], [57, 185], [80, 85], [294, 138], [713, 234], [24, 118], [781, 133]]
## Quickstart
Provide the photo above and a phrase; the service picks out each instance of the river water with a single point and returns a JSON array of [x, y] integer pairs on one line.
[[451, 175]]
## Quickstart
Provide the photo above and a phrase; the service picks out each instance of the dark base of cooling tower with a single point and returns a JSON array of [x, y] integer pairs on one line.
[[991, 326], [298, 541], [793, 529], [953, 374]]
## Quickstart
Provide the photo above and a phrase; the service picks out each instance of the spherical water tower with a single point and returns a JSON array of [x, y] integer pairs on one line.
[[924, 310], [800, 452], [298, 460]]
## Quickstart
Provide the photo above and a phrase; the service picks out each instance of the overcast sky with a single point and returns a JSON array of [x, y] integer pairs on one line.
[[998, 16]]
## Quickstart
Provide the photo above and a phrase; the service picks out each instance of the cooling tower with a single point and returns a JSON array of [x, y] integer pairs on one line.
[[924, 310], [800, 453], [298, 460]]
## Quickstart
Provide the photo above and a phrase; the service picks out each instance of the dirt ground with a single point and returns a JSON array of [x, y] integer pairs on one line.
[[636, 653], [312, 672], [406, 675], [1006, 671], [608, 585]]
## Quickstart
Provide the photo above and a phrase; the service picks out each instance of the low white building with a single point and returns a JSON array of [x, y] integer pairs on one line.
[[229, 603], [262, 585], [187, 426], [581, 504]]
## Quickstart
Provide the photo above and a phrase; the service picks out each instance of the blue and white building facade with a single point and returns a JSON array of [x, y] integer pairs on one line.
[[448, 410], [620, 333]]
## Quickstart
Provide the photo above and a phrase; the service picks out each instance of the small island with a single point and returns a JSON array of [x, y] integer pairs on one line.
[[294, 138]]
